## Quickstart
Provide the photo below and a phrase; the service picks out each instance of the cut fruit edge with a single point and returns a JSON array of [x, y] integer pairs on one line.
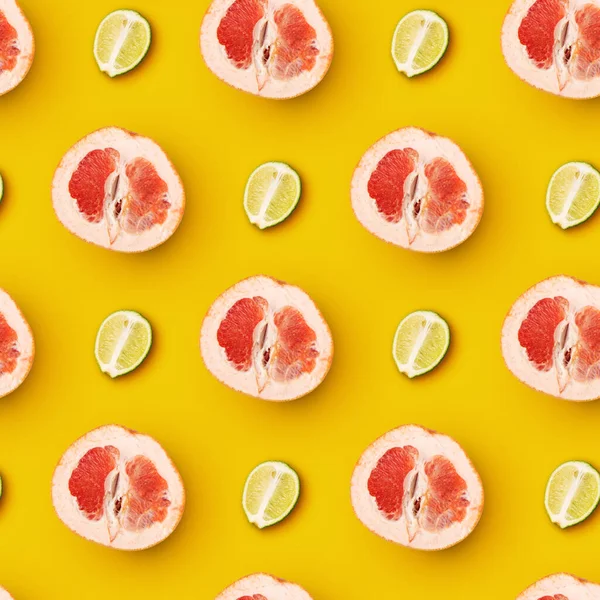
[[275, 588]]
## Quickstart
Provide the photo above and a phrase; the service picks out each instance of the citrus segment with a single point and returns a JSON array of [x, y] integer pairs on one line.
[[9, 44], [236, 30], [17, 45]]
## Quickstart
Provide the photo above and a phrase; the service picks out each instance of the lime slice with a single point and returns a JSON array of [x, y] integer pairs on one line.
[[421, 341], [122, 40], [572, 493], [270, 493], [573, 194], [419, 42], [123, 342], [1, 187], [272, 193]]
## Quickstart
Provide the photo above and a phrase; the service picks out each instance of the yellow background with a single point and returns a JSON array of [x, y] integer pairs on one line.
[[515, 136]]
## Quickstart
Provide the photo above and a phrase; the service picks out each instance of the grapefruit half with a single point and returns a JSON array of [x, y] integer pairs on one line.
[[551, 338], [561, 586], [554, 45], [17, 46], [118, 190], [4, 595], [417, 190], [118, 488], [270, 48], [263, 587], [16, 345], [417, 488], [267, 339]]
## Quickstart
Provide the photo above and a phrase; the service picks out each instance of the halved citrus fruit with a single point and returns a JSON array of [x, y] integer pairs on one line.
[[417, 488], [263, 587], [554, 45], [17, 45], [551, 338], [417, 190], [271, 48], [118, 190], [267, 339], [561, 586], [16, 345], [118, 488], [4, 595]]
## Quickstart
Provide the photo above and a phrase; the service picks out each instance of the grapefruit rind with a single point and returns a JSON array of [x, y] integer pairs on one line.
[[131, 17], [271, 587], [280, 469], [421, 438], [591, 503], [429, 17], [4, 595], [562, 584]]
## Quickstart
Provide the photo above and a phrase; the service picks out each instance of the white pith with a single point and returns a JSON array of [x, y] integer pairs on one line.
[[407, 233], [409, 367], [562, 583], [255, 79], [4, 595], [108, 233], [256, 381], [261, 583], [280, 469], [561, 518], [109, 531], [562, 218], [11, 381], [14, 15], [131, 17], [408, 531], [557, 381], [429, 17], [556, 79]]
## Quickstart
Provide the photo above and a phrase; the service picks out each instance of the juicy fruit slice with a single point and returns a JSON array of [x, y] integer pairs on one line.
[[1, 187], [122, 41], [421, 342], [263, 587], [573, 194], [123, 342], [417, 488], [118, 488], [4, 595], [267, 339], [118, 190], [420, 41], [16, 345], [271, 492], [17, 46], [551, 338], [562, 586], [271, 194], [554, 45], [417, 190], [572, 493], [270, 48]]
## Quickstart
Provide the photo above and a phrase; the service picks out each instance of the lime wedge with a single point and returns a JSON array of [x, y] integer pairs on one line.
[[421, 341], [123, 342], [272, 193], [122, 40], [270, 493], [572, 493], [419, 42], [573, 194], [1, 187]]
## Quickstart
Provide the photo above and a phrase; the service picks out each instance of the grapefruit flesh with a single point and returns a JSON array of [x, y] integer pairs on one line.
[[561, 586], [118, 488], [555, 45], [263, 587], [551, 338], [16, 45], [267, 339], [16, 345], [417, 488], [118, 190], [271, 48], [418, 191]]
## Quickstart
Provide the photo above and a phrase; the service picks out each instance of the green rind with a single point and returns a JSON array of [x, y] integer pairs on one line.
[[292, 208], [442, 53], [590, 214], [1, 188], [547, 493]]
